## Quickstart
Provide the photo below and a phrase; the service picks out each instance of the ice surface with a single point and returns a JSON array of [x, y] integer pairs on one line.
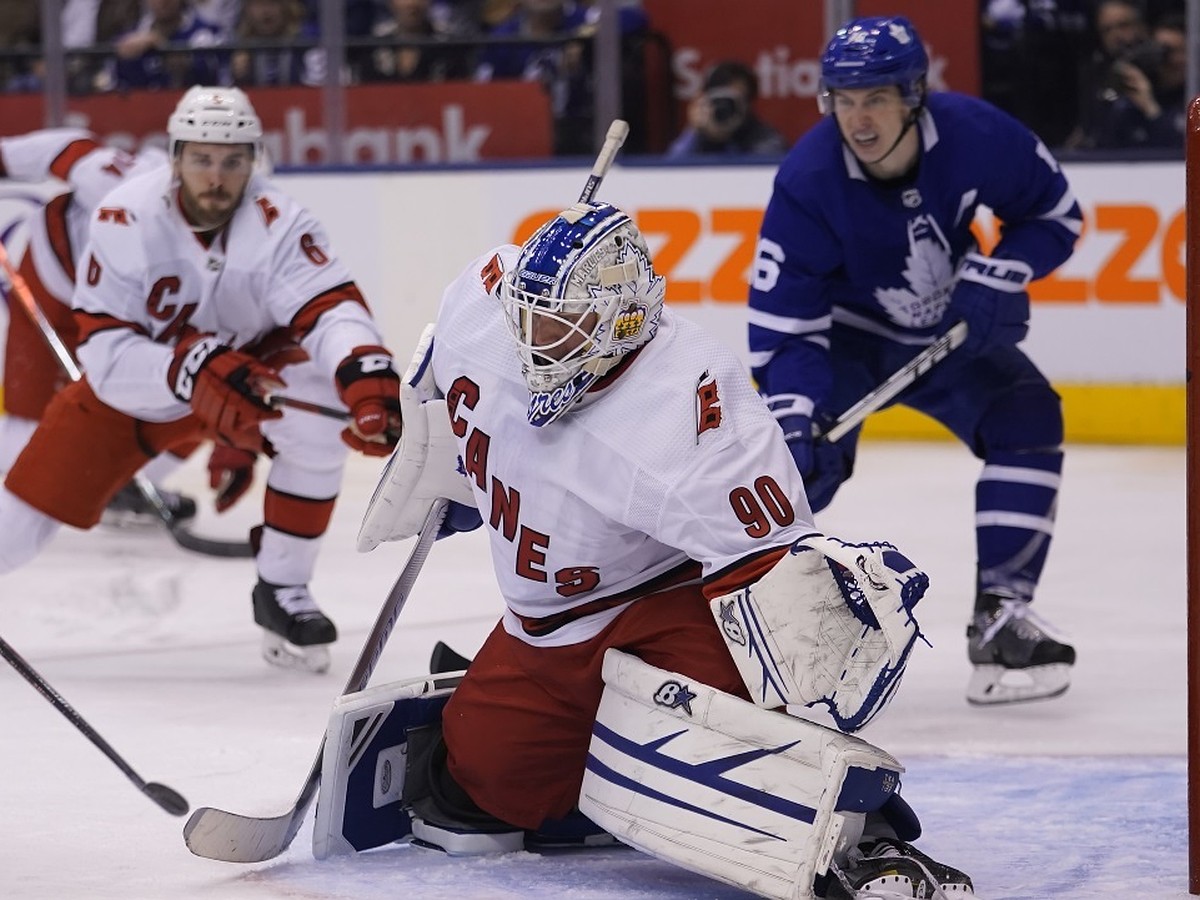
[[1077, 798]]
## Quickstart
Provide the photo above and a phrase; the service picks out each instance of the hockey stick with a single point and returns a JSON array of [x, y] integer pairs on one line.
[[617, 132], [280, 402], [897, 381], [168, 799], [216, 834], [181, 535]]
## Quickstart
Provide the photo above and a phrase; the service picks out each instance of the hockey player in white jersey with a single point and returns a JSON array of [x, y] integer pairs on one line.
[[57, 232], [201, 290], [666, 591]]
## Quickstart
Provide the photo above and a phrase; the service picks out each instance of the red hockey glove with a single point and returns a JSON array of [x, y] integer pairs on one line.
[[369, 385], [230, 473], [225, 388]]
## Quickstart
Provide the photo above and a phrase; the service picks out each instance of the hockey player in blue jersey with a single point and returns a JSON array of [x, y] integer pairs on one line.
[[866, 256]]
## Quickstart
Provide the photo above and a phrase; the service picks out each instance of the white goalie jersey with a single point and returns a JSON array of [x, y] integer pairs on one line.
[[680, 473]]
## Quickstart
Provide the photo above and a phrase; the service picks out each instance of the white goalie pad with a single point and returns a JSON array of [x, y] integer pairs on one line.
[[751, 797], [362, 767], [423, 468], [830, 624]]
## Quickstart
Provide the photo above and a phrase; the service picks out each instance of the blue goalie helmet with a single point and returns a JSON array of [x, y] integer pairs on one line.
[[582, 296], [872, 52]]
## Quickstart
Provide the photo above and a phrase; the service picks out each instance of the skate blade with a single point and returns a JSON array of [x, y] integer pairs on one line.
[[994, 685], [285, 655]]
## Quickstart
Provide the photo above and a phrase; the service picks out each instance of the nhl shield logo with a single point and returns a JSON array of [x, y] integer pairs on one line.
[[911, 198]]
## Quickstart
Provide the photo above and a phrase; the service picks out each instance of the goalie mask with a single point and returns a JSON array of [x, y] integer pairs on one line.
[[873, 52], [581, 297]]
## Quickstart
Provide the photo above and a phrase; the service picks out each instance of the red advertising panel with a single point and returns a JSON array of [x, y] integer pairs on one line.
[[781, 40], [460, 122]]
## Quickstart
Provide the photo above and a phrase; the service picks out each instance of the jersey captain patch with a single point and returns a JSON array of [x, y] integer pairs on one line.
[[708, 404]]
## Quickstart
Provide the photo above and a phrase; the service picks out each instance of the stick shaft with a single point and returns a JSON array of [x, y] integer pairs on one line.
[[617, 132], [162, 795], [898, 381]]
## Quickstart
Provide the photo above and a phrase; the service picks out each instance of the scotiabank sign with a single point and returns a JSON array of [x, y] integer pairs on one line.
[[782, 40], [462, 122]]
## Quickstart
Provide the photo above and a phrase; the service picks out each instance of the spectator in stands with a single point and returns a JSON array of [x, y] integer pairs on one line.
[[1121, 105], [721, 118], [224, 14], [563, 68], [1170, 33], [144, 55], [407, 19], [276, 21], [87, 23], [20, 30], [1029, 60]]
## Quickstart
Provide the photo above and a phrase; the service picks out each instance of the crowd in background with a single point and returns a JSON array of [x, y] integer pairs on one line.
[[1083, 74]]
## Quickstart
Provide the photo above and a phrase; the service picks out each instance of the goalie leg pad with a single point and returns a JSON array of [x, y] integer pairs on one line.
[[754, 798], [831, 624], [360, 805]]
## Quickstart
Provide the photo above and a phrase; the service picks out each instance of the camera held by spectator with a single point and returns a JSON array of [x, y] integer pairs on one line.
[[721, 118]]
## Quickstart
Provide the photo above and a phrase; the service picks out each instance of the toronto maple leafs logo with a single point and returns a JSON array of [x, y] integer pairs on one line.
[[929, 274]]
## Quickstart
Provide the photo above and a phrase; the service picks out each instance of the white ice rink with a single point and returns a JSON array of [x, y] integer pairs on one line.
[[1077, 798]]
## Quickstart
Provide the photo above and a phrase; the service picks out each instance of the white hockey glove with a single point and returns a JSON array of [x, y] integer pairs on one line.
[[423, 468], [831, 624]]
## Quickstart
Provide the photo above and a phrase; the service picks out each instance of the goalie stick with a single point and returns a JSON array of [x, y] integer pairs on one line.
[[897, 381], [170, 800], [230, 837], [179, 533]]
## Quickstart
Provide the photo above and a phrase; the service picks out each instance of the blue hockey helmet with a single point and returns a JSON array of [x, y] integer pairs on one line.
[[582, 295], [871, 52]]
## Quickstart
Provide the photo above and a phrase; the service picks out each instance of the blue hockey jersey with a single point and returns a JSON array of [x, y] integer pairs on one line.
[[838, 246]]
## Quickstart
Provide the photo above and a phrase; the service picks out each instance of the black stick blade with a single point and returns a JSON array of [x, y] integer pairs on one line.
[[170, 800]]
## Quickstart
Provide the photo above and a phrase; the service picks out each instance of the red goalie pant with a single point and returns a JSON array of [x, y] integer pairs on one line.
[[518, 727]]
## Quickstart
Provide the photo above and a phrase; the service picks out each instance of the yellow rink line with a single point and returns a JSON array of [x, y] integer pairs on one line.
[[1095, 414]]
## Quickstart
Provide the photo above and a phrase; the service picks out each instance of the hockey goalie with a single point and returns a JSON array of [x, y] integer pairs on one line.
[[667, 596]]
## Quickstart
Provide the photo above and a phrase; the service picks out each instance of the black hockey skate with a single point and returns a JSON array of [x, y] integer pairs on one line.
[[297, 633], [129, 507], [1014, 658], [891, 869]]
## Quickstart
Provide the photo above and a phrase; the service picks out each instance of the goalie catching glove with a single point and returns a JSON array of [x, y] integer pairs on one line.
[[225, 387], [368, 384], [831, 624]]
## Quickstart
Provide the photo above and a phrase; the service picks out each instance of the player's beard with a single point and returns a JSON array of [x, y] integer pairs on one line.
[[209, 210]]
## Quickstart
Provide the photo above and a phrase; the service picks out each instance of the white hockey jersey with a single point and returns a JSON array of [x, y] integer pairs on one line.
[[59, 230], [145, 279], [671, 471]]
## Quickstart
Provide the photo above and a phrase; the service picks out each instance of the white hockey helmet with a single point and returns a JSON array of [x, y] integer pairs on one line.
[[214, 115], [588, 259]]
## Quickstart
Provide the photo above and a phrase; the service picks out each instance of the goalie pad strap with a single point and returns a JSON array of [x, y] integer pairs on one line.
[[702, 779]]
